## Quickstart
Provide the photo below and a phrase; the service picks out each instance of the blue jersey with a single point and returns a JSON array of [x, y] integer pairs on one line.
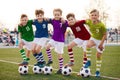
[[41, 28]]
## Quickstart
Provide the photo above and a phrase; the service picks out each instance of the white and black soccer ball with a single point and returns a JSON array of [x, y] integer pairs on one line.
[[37, 70], [47, 70], [23, 70], [66, 70], [85, 72]]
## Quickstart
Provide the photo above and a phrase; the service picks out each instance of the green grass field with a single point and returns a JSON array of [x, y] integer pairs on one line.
[[110, 66]]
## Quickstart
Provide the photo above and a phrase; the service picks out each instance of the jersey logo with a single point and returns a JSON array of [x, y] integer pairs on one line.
[[78, 29], [60, 24], [27, 28], [44, 26]]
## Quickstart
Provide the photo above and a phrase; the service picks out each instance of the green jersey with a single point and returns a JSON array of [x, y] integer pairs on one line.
[[26, 31], [97, 30]]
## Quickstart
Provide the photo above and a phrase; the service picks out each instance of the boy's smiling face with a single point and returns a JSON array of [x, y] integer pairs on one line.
[[24, 21], [40, 17], [71, 21], [57, 15], [94, 16]]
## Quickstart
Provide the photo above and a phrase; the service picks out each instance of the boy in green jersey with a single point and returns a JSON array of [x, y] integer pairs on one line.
[[98, 36], [26, 37]]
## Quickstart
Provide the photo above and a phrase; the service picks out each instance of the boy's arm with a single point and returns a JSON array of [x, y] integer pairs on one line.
[[102, 41], [48, 19], [63, 20]]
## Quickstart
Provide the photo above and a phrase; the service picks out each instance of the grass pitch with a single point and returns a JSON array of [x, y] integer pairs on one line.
[[110, 65]]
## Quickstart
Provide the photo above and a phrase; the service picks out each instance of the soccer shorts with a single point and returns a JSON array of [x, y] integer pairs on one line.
[[41, 41], [28, 45], [58, 46], [97, 43], [81, 43]]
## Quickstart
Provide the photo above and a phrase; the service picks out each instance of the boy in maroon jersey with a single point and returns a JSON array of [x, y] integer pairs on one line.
[[81, 37]]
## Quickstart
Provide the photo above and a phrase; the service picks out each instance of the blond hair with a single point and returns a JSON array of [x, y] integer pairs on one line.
[[58, 9]]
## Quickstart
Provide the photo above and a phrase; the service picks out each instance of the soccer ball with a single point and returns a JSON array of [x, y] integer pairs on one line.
[[37, 70], [85, 72], [23, 70], [47, 70], [66, 70]]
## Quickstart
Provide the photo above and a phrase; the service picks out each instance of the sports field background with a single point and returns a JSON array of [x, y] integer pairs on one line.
[[10, 57]]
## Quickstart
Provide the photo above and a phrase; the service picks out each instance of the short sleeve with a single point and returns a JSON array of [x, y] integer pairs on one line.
[[19, 28]]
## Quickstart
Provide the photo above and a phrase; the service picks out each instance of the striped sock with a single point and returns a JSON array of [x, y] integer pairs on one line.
[[23, 54], [98, 63], [39, 57], [60, 63], [70, 52], [49, 54], [84, 60], [88, 54]]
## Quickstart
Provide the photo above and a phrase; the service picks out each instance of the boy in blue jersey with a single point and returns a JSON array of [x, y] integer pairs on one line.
[[41, 37]]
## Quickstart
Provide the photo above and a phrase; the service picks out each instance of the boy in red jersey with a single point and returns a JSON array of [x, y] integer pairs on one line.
[[81, 36]]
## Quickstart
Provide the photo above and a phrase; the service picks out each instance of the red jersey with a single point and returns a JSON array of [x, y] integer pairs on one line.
[[80, 31]]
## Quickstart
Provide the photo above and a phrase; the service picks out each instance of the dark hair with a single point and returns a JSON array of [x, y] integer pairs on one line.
[[40, 11], [23, 15], [70, 15], [58, 9]]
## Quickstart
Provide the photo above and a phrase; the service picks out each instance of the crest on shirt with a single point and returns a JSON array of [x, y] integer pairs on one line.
[[44, 26], [78, 29]]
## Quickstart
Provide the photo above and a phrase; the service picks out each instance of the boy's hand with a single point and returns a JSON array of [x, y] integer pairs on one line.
[[46, 19], [20, 24], [62, 20], [100, 47]]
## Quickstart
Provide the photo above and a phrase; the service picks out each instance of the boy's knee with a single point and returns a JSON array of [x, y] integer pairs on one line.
[[69, 47], [99, 55]]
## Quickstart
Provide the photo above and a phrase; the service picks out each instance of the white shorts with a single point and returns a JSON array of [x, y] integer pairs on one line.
[[41, 41], [28, 45], [81, 43], [58, 46], [97, 42]]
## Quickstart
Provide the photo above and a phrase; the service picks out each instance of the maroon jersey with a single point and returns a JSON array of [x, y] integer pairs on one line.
[[80, 31]]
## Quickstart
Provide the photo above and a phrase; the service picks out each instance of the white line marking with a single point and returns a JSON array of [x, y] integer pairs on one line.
[[56, 69]]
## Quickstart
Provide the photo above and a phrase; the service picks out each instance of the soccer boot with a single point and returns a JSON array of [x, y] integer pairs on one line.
[[59, 71], [49, 62], [88, 63], [40, 64], [97, 74], [70, 64], [23, 63]]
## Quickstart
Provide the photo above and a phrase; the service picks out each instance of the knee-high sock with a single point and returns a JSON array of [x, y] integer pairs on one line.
[[23, 54], [60, 63], [98, 63], [39, 57], [49, 54], [88, 54], [84, 60], [70, 52]]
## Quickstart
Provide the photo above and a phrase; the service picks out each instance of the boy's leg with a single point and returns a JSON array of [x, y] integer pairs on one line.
[[48, 51], [84, 58], [40, 59], [28, 54], [60, 63], [70, 52], [23, 54], [25, 60], [98, 64], [88, 53]]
